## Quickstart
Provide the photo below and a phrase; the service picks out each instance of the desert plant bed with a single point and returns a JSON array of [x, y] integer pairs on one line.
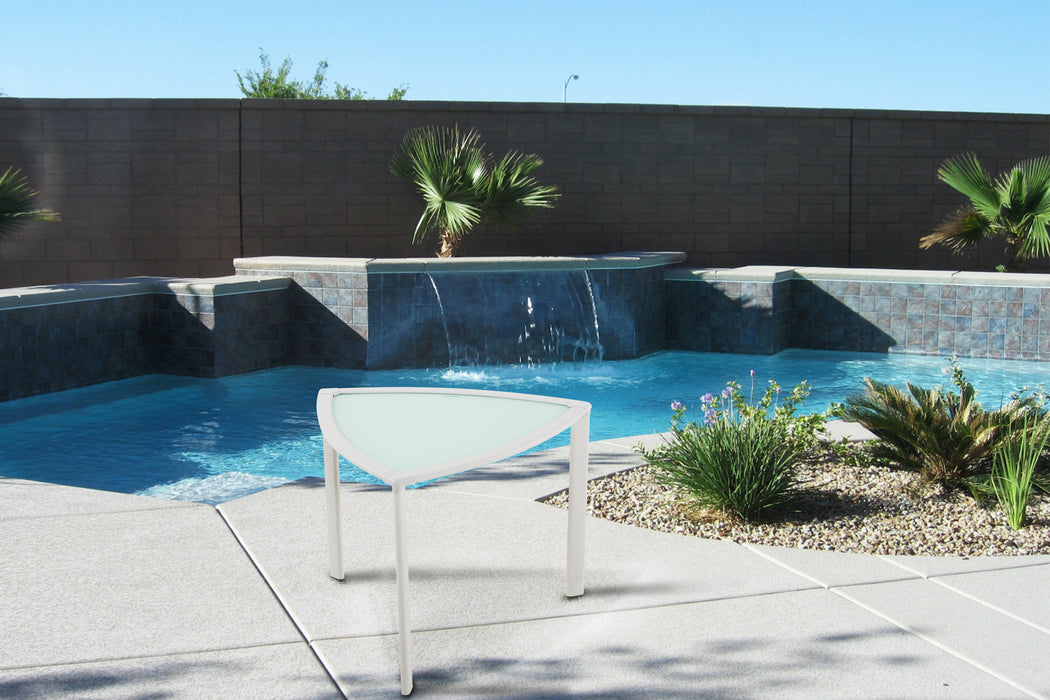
[[839, 506]]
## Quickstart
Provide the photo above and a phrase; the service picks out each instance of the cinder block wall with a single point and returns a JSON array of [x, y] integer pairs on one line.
[[144, 187], [181, 187]]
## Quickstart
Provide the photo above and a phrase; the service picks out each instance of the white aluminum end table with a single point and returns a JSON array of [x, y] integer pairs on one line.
[[406, 435]]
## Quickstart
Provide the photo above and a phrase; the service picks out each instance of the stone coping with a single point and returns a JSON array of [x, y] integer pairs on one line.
[[626, 260], [24, 297], [750, 273], [774, 273]]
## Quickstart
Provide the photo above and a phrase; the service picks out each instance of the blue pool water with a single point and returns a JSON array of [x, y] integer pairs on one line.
[[213, 440]]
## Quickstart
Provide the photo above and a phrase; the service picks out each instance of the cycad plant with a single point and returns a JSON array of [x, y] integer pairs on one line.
[[1015, 206], [942, 434], [16, 203], [462, 185]]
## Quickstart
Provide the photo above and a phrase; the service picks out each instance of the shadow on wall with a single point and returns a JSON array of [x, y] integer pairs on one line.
[[819, 321], [763, 319], [321, 336]]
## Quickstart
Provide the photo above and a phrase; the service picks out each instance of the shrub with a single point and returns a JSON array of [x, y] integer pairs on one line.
[[742, 456], [1013, 469], [941, 433]]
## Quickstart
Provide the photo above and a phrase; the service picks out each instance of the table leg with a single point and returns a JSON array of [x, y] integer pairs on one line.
[[404, 628], [334, 516], [578, 440]]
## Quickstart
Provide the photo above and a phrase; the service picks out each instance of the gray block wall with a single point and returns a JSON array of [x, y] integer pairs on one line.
[[182, 187]]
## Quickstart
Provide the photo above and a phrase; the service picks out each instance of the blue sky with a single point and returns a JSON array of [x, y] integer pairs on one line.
[[877, 54]]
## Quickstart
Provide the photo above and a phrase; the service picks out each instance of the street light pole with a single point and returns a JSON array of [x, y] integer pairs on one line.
[[565, 90]]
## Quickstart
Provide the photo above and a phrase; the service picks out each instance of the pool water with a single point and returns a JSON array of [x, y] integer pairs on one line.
[[213, 440]]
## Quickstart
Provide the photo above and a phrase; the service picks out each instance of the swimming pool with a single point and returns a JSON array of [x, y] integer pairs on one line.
[[212, 440]]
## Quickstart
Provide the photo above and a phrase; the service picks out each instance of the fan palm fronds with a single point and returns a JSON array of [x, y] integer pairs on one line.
[[462, 186], [16, 203], [1015, 206]]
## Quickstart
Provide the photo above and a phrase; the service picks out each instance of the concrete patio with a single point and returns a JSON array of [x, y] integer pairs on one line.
[[105, 595]]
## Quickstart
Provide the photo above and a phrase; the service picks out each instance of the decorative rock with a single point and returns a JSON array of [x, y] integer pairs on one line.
[[844, 508]]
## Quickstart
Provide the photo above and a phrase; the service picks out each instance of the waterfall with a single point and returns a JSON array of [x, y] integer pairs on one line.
[[540, 317], [594, 313], [441, 309]]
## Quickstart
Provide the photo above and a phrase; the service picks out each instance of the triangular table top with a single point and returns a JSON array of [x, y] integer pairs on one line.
[[406, 435]]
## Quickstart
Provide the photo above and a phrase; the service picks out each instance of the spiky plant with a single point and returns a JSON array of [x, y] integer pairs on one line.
[[943, 435], [16, 203], [462, 185], [1015, 206], [1014, 469]]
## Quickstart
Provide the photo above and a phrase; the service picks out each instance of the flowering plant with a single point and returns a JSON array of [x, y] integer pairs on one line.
[[742, 454], [779, 408]]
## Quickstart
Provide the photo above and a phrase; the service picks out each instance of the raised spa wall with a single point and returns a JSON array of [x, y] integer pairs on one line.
[[376, 313]]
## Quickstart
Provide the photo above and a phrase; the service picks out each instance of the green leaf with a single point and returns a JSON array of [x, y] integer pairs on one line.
[[17, 203], [966, 175], [460, 184]]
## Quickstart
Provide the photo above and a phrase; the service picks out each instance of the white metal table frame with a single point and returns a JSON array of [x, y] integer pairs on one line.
[[379, 442]]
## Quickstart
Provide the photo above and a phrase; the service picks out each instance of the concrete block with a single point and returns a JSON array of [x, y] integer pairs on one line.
[[133, 583], [808, 644]]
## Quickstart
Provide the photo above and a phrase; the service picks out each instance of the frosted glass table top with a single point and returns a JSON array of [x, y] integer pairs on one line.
[[406, 435]]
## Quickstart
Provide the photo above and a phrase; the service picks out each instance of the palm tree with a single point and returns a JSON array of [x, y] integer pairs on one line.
[[16, 203], [463, 186], [1015, 206]]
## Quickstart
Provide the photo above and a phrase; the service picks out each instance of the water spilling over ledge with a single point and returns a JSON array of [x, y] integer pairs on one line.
[[468, 312], [541, 317]]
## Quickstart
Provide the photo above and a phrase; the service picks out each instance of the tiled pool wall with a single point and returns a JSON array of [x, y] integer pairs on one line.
[[391, 313], [372, 314], [767, 309], [66, 336]]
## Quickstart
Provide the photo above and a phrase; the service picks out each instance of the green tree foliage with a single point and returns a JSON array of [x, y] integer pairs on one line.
[[1014, 206], [16, 203], [271, 83], [462, 185]]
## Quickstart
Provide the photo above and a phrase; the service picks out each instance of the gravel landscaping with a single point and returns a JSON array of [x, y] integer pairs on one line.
[[841, 507]]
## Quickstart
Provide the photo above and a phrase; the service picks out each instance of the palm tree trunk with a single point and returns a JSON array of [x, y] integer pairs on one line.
[[1015, 261], [450, 245]]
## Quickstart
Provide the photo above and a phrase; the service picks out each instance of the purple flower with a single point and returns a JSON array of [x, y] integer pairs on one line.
[[707, 398], [676, 405], [752, 373], [727, 392], [710, 416]]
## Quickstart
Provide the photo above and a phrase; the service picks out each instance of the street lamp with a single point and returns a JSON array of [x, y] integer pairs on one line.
[[565, 91]]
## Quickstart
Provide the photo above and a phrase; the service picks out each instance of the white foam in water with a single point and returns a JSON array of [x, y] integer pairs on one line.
[[214, 489]]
